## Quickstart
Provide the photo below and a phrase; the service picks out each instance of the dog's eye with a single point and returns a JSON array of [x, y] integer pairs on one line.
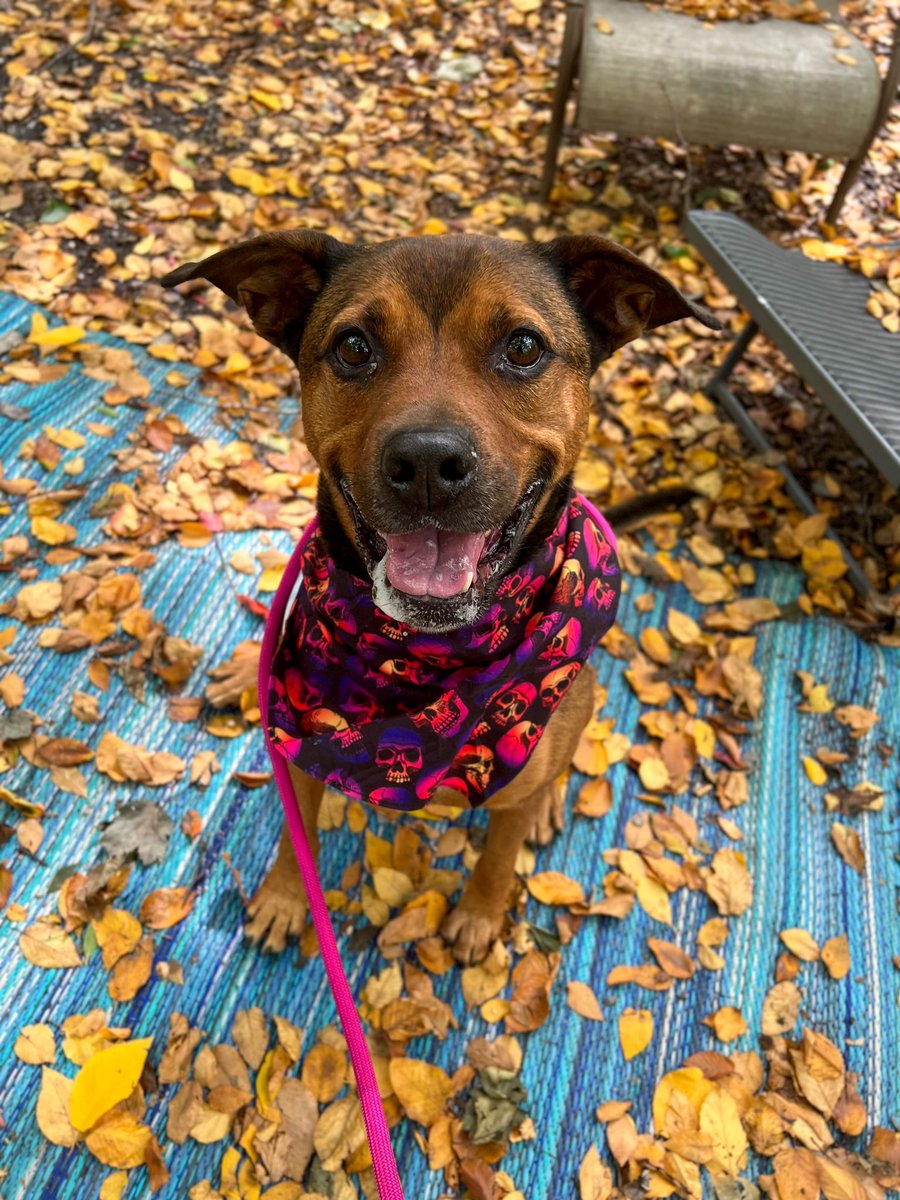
[[353, 350], [523, 349]]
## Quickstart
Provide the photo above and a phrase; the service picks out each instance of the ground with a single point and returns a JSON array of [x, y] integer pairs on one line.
[[732, 809]]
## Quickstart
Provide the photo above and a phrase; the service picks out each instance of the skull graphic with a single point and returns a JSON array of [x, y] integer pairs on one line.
[[565, 643], [570, 589], [601, 595], [399, 753], [510, 705], [492, 630], [511, 585], [395, 630], [557, 682], [445, 715], [405, 669], [474, 766], [516, 745], [599, 551], [526, 598], [322, 720]]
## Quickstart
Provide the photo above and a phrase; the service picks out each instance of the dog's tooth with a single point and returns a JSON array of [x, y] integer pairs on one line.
[[470, 576]]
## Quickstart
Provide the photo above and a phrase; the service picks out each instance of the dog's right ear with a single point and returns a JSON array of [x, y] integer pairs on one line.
[[277, 278]]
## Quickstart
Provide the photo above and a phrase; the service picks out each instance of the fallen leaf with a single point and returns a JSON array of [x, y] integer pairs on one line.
[[635, 1031], [53, 1108], [110, 1076], [582, 1000]]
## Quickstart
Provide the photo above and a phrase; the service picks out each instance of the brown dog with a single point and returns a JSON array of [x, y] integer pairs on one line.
[[444, 379]]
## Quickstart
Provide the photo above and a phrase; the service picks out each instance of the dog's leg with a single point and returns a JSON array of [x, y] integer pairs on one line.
[[529, 805], [472, 926], [278, 909], [550, 816]]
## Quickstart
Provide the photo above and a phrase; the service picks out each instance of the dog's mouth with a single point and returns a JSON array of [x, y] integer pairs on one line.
[[438, 578]]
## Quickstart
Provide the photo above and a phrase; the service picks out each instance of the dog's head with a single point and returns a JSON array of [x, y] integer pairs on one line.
[[445, 388]]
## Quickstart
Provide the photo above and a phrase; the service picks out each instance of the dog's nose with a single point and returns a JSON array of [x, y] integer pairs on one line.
[[428, 467]]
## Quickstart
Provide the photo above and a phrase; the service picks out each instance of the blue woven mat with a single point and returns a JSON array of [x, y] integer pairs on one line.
[[570, 1065]]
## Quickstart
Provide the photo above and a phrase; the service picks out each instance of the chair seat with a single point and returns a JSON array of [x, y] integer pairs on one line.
[[771, 85], [815, 313]]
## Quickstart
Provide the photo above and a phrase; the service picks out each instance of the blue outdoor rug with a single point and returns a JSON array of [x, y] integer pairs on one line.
[[570, 1065]]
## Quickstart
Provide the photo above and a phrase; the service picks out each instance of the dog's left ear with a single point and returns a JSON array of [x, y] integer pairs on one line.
[[277, 277], [618, 295]]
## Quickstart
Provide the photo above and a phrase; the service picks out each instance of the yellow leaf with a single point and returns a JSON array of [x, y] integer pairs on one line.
[[52, 533], [117, 933], [815, 772], [654, 900], [836, 956], [719, 1117], [422, 1089], [47, 944], [119, 1140], [53, 1108], [110, 1076], [61, 335], [270, 578], [690, 1082], [434, 226], [800, 943], [727, 1023], [258, 184], [35, 1044], [551, 887], [594, 1177], [635, 1031], [266, 99], [181, 180], [113, 1186]]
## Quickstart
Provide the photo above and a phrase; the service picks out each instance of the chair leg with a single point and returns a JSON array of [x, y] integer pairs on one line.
[[854, 166], [567, 68]]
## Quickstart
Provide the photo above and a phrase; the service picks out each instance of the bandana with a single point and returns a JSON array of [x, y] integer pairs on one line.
[[387, 713]]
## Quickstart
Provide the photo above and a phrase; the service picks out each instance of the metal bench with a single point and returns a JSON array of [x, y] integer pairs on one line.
[[815, 313], [770, 85]]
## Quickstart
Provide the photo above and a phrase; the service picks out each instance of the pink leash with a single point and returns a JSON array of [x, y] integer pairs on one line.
[[385, 1166]]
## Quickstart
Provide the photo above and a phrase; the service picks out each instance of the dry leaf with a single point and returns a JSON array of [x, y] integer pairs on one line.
[[582, 1000], [46, 944], [849, 847], [551, 887], [422, 1089], [110, 1076], [836, 956], [635, 1031], [53, 1108], [35, 1044]]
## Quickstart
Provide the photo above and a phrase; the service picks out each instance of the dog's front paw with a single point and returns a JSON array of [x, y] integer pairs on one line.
[[234, 677], [276, 912], [550, 817], [471, 930]]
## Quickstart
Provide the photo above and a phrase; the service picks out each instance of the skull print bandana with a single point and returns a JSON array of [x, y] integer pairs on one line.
[[388, 714]]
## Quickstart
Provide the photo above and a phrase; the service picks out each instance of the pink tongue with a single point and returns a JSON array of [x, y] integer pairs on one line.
[[431, 562]]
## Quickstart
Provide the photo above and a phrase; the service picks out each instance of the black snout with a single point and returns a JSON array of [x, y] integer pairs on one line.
[[428, 467]]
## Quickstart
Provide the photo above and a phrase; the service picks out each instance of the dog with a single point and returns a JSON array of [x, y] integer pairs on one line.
[[445, 394]]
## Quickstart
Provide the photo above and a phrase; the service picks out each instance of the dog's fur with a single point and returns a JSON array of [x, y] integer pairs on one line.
[[437, 315]]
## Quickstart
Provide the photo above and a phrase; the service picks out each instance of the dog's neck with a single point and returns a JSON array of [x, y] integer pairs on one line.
[[346, 556]]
